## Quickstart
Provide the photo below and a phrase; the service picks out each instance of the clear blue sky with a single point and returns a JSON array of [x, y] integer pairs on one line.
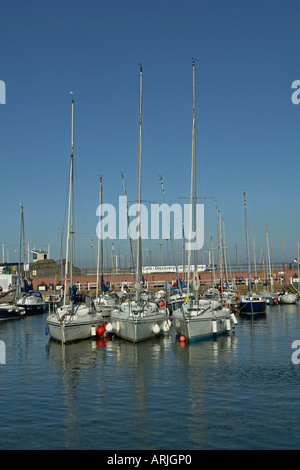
[[248, 129]]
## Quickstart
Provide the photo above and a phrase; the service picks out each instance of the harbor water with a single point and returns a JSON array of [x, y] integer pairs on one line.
[[238, 392]]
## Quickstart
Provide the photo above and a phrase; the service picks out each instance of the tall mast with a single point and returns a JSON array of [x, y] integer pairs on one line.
[[283, 262], [23, 237], [139, 247], [70, 212], [212, 260], [247, 245], [219, 250], [172, 241], [194, 185], [101, 225], [269, 260], [130, 238], [72, 195], [20, 250], [100, 239], [183, 253], [225, 254]]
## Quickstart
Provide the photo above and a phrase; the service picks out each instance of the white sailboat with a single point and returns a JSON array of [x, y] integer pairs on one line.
[[139, 318], [267, 294], [250, 304], [286, 297], [32, 301], [75, 318], [199, 318]]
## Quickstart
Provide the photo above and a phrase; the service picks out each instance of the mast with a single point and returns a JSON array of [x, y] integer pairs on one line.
[[225, 254], [298, 267], [23, 231], [101, 225], [130, 238], [194, 186], [72, 196], [247, 245], [183, 253], [269, 261], [219, 251], [139, 247], [283, 262], [70, 212], [100, 239], [213, 262], [254, 256], [20, 251], [172, 241]]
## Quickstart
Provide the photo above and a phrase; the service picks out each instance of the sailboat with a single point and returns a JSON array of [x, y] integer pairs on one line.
[[251, 303], [267, 294], [105, 301], [75, 317], [8, 311], [199, 318], [32, 301], [141, 317], [175, 295], [286, 297]]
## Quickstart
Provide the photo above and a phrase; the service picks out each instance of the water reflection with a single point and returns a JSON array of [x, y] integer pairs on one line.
[[139, 392], [76, 368], [202, 375], [197, 353], [159, 394]]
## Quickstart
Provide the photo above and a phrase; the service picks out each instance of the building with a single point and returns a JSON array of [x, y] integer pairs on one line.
[[39, 255]]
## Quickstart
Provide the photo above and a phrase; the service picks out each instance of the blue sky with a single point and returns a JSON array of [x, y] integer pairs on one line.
[[248, 129]]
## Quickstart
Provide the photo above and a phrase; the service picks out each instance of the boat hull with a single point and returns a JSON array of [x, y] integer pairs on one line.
[[33, 303], [288, 299], [137, 328], [34, 309], [11, 312], [73, 327], [252, 307], [202, 326]]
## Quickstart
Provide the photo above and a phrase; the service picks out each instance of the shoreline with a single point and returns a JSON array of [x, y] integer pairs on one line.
[[156, 281]]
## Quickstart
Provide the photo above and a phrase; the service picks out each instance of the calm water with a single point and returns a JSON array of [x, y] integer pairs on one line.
[[238, 392]]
